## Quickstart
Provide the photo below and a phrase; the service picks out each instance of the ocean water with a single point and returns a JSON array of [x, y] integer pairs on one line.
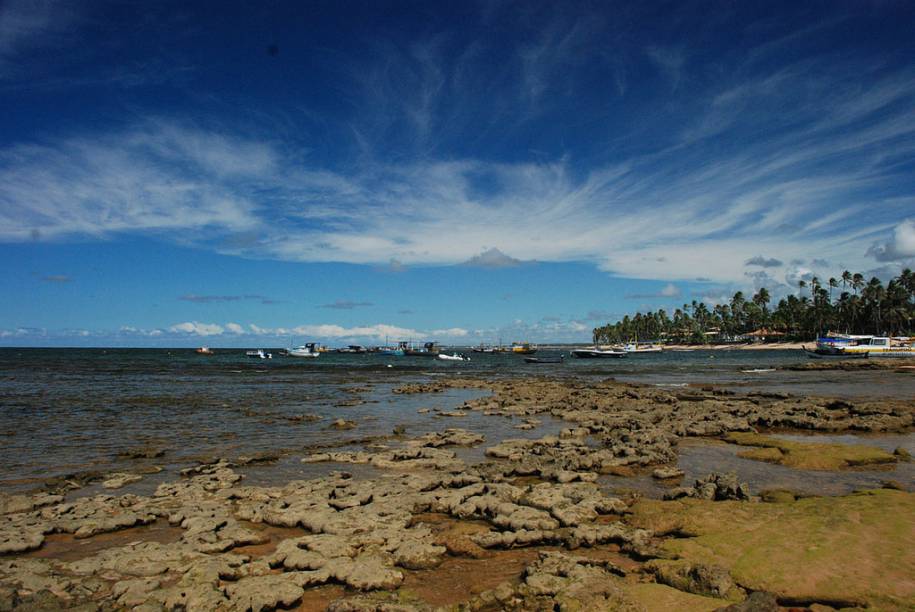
[[66, 411]]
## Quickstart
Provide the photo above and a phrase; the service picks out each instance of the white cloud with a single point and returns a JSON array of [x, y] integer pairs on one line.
[[451, 332], [901, 246], [680, 212], [492, 258], [198, 329], [234, 328], [157, 176]]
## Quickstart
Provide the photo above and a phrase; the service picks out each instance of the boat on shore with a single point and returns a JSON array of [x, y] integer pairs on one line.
[[305, 350], [594, 352], [559, 359], [523, 348], [258, 354], [874, 346]]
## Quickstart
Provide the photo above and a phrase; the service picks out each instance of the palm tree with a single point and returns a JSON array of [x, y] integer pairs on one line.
[[857, 282], [833, 283], [846, 279]]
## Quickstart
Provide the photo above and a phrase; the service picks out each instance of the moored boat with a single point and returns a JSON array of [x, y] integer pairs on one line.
[[635, 347], [305, 350], [454, 357], [429, 350], [523, 348], [595, 352], [204, 350], [258, 354]]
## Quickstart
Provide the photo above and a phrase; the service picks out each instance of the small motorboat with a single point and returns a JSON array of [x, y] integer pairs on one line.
[[306, 350], [454, 357], [258, 354], [599, 353], [635, 347], [204, 350], [559, 359]]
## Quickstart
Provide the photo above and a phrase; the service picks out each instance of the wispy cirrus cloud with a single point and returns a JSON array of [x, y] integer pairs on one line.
[[26, 25], [346, 305], [57, 278], [704, 201], [209, 299]]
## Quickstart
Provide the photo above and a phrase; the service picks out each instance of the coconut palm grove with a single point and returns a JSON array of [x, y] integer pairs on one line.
[[848, 304]]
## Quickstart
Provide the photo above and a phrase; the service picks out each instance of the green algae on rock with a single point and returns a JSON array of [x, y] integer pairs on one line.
[[846, 551], [809, 455]]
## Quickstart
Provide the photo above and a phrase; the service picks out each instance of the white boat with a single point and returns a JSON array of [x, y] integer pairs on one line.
[[259, 354], [594, 352], [454, 357], [306, 350], [874, 346], [635, 347]]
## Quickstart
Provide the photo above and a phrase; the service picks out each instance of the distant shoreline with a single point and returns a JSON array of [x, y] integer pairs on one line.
[[756, 346]]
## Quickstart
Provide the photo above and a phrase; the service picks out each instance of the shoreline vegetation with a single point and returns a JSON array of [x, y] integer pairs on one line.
[[531, 524], [859, 308]]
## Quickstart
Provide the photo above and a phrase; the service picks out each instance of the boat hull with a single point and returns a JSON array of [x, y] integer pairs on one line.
[[597, 354]]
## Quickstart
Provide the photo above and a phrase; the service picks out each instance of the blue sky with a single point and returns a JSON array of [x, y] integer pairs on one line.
[[230, 174]]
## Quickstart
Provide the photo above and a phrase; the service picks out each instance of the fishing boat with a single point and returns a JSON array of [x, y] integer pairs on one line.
[[635, 347], [353, 349], [429, 350], [204, 350], [258, 354], [454, 357], [486, 348], [594, 352], [559, 359], [523, 348], [305, 350]]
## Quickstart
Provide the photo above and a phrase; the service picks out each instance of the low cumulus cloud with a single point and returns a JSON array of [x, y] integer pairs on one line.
[[492, 258], [764, 262], [669, 290], [901, 246], [195, 328]]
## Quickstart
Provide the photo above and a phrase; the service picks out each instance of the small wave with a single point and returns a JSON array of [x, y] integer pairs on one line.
[[671, 384], [758, 370]]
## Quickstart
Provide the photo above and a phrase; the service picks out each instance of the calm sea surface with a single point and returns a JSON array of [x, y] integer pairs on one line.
[[66, 411]]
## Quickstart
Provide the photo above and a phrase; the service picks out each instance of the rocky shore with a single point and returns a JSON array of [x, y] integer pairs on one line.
[[531, 527]]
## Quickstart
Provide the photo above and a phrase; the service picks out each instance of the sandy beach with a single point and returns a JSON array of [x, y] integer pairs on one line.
[[755, 346], [631, 503]]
